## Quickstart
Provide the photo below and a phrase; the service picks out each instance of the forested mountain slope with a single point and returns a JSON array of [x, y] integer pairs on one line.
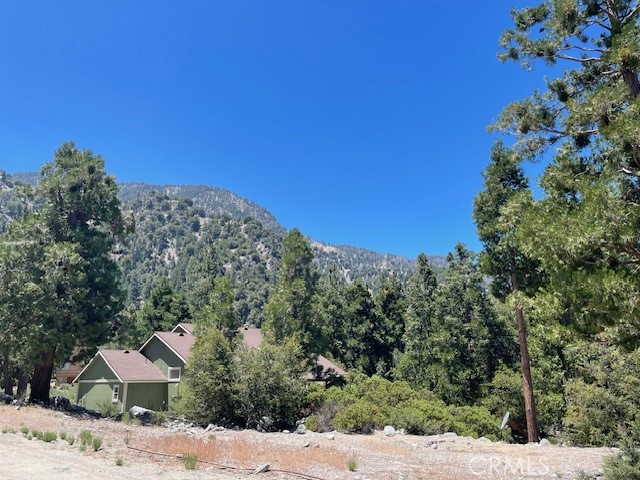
[[192, 233]]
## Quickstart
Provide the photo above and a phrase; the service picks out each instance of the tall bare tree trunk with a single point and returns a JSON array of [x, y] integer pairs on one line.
[[41, 380], [6, 373], [527, 385], [21, 393]]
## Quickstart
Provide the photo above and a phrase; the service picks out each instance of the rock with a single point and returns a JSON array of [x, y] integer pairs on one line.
[[219, 429], [307, 444], [484, 439], [141, 413], [286, 431], [330, 436], [302, 429], [389, 431], [434, 446], [4, 398], [544, 442], [210, 427], [17, 407], [402, 431], [450, 435], [261, 469]]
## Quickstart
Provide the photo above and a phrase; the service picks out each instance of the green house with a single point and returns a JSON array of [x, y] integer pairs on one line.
[[121, 378], [169, 352]]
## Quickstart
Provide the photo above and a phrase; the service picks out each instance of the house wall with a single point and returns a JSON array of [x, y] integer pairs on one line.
[[95, 396], [161, 356], [147, 395]]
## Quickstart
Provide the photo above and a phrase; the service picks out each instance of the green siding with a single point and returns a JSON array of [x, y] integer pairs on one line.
[[98, 370], [161, 356], [147, 395], [95, 395]]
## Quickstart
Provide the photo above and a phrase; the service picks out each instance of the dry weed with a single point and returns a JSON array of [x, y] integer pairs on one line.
[[239, 452]]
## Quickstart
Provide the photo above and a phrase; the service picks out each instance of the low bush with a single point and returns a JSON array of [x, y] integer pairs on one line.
[[190, 461], [96, 442], [85, 437], [49, 436]]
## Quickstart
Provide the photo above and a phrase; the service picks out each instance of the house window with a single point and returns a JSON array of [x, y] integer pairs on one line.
[[174, 373], [115, 394]]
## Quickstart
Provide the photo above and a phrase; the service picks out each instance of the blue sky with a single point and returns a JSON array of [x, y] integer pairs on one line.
[[359, 122]]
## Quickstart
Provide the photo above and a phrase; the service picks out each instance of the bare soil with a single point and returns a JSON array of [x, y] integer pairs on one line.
[[236, 454]]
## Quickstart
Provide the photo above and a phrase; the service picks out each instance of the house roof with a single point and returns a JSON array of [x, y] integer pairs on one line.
[[187, 327], [253, 338], [179, 343], [128, 366]]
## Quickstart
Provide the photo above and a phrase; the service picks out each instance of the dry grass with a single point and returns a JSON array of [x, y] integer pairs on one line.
[[242, 453]]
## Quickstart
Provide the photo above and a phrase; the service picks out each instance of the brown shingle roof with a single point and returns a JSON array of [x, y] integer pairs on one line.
[[181, 343], [253, 338], [187, 327], [132, 366]]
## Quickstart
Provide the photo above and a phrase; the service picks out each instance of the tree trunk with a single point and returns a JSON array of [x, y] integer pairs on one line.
[[41, 379], [631, 79], [6, 373], [527, 384], [22, 384]]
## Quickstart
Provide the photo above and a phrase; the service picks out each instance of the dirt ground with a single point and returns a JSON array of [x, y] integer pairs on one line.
[[312, 455]]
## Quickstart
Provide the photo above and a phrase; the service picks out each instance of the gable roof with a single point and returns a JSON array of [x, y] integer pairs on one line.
[[253, 338], [185, 327], [178, 343], [128, 366]]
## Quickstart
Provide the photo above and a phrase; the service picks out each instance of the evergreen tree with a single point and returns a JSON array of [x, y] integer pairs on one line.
[[419, 322], [497, 212], [209, 389], [290, 308], [163, 310], [69, 268], [390, 309], [588, 216], [219, 312]]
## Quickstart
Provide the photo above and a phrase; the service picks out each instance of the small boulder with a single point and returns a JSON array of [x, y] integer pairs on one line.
[[330, 436], [144, 414], [261, 469], [389, 431], [302, 429], [544, 442], [4, 398]]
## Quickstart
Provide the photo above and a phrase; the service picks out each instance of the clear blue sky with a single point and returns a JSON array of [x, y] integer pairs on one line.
[[359, 122]]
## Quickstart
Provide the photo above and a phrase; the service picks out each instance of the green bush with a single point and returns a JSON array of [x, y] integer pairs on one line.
[[593, 414], [85, 437], [49, 436], [108, 409], [361, 417], [190, 460], [97, 443], [71, 439], [422, 417], [312, 423]]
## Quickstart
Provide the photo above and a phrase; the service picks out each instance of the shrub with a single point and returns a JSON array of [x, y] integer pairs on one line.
[[49, 436], [83, 447], [127, 439], [361, 417], [190, 460], [85, 437], [71, 439], [24, 430], [63, 435], [108, 409], [593, 414], [352, 463], [97, 443], [311, 423], [119, 462], [423, 417]]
